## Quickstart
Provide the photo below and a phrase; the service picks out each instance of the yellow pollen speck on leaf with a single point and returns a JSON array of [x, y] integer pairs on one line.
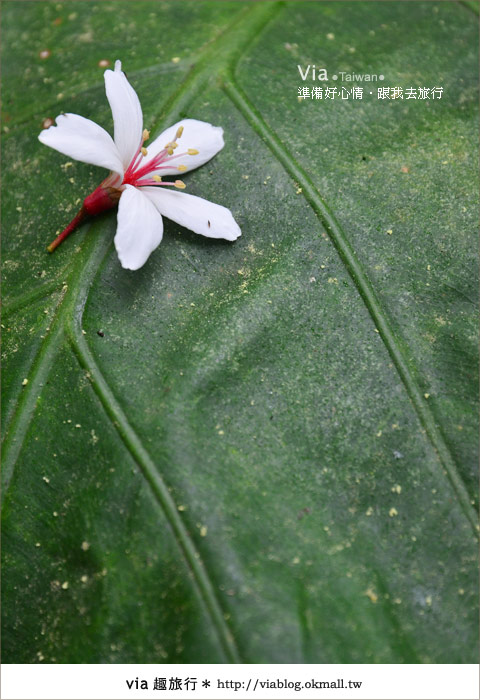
[[182, 168], [157, 178], [192, 152], [179, 184], [145, 135], [144, 151], [179, 132], [372, 595]]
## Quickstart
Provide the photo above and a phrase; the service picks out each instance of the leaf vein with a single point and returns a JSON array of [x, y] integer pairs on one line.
[[363, 285]]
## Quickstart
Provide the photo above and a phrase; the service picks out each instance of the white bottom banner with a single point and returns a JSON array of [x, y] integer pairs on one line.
[[245, 682]]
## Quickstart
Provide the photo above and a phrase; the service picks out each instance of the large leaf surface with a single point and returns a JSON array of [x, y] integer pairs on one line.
[[269, 454]]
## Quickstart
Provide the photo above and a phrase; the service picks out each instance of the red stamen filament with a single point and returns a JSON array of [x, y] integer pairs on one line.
[[151, 181]]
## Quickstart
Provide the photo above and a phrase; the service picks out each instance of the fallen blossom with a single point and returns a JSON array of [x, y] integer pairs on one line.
[[136, 181]]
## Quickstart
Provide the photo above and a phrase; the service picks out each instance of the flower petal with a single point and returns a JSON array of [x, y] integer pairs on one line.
[[82, 139], [126, 111], [195, 213], [139, 228], [201, 136]]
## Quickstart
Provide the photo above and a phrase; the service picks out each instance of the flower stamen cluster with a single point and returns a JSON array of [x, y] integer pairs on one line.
[[140, 175]]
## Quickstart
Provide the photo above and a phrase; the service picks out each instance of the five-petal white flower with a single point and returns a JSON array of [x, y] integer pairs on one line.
[[136, 172]]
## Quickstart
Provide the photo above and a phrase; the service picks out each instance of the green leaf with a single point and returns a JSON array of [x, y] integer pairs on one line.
[[263, 451]]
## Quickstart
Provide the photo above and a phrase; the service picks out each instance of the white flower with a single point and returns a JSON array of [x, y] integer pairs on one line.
[[137, 172]]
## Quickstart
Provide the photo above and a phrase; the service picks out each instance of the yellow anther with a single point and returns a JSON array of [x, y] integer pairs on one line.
[[179, 132], [145, 135], [144, 151], [170, 151], [180, 185], [174, 144], [157, 178], [192, 152], [182, 168]]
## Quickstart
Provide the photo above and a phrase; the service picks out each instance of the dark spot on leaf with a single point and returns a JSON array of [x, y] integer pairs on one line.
[[303, 512], [100, 333]]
